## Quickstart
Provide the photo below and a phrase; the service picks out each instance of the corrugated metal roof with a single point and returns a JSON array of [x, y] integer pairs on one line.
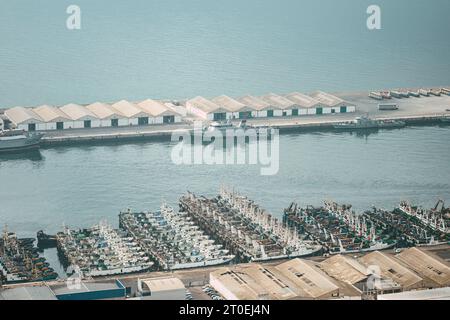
[[156, 108], [426, 265], [302, 100], [328, 99], [28, 293], [19, 115], [430, 294], [129, 109], [345, 269], [254, 102], [51, 114], [278, 101], [104, 111], [230, 104], [163, 284], [77, 112]]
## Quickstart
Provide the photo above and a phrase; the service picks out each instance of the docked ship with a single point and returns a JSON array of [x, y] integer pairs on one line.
[[367, 123], [18, 141], [172, 239]]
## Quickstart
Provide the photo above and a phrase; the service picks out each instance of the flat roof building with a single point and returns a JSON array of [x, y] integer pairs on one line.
[[24, 118], [166, 288], [392, 269], [27, 293], [310, 281], [113, 289], [428, 267]]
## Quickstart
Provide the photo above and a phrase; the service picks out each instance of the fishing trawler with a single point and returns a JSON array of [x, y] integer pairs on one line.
[[12, 141], [364, 122], [173, 240], [101, 251], [432, 218]]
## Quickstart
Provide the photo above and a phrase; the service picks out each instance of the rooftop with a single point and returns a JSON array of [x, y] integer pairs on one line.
[[426, 265], [51, 114], [104, 111], [345, 269], [77, 112], [431, 294], [27, 293], [156, 108], [391, 268], [254, 102], [62, 289], [163, 284], [302, 100], [326, 98], [129, 109], [277, 101], [204, 104], [230, 103], [20, 115]]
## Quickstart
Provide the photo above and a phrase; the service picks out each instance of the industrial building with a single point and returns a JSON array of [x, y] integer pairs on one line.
[[207, 110], [331, 103], [237, 109], [160, 112], [294, 279], [161, 289], [108, 116], [24, 118], [306, 104], [28, 293], [427, 294], [434, 271], [390, 268], [259, 106], [133, 114], [53, 118], [279, 106], [113, 289], [79, 117]]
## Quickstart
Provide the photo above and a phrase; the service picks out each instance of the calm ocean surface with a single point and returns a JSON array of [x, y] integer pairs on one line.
[[177, 49]]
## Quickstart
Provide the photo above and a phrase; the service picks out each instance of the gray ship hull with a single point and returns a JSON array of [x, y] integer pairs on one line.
[[15, 144]]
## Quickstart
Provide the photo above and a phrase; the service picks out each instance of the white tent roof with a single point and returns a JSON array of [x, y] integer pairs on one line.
[[51, 114], [254, 102], [156, 108], [277, 101], [302, 100], [19, 115], [76, 112], [230, 104], [205, 105], [104, 111]]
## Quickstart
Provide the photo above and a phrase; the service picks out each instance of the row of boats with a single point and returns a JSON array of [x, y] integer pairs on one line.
[[20, 260], [228, 227], [403, 93]]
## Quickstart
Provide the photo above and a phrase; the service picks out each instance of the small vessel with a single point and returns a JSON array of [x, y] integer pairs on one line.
[[45, 240], [414, 94], [386, 94], [396, 94], [435, 92], [18, 140], [220, 126], [404, 93], [445, 91], [376, 95], [424, 92], [367, 123]]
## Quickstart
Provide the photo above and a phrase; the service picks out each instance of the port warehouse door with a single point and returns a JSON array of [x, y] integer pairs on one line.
[[142, 121], [319, 110], [87, 123], [245, 114], [114, 122], [59, 125], [343, 109], [220, 116], [269, 113], [295, 112], [168, 119], [32, 127]]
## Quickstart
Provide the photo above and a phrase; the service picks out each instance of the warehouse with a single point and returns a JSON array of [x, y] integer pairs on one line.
[[238, 109], [161, 289], [28, 293], [160, 112], [208, 110], [258, 106], [277, 105], [331, 103], [309, 280], [54, 118], [79, 116], [24, 118], [133, 114], [250, 282], [107, 116], [345, 269], [434, 271], [306, 104], [113, 289], [431, 294], [390, 268]]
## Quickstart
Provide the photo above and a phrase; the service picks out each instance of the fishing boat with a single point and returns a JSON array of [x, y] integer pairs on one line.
[[376, 95], [365, 122]]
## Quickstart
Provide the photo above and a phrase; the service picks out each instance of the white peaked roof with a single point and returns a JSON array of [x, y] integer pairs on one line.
[[254, 102], [156, 108], [163, 284], [204, 104], [327, 99], [302, 100], [278, 101], [19, 115], [129, 109], [76, 112], [230, 104], [51, 114], [104, 111]]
